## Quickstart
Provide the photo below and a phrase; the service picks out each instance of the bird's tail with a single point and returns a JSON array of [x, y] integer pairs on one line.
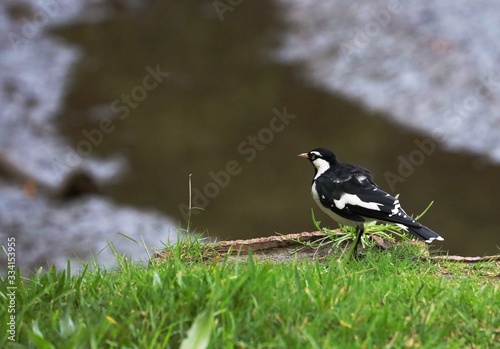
[[424, 233]]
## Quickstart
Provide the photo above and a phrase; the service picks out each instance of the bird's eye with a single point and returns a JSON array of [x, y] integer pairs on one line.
[[313, 156]]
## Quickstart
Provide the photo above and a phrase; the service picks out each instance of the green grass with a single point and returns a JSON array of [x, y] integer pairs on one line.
[[388, 299]]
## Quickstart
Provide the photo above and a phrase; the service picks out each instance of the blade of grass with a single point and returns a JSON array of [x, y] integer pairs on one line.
[[200, 331]]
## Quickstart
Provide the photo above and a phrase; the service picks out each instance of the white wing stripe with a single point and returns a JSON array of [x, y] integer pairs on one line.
[[351, 199]]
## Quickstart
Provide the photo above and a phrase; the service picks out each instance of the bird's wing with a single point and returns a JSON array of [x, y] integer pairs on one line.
[[353, 194], [357, 174]]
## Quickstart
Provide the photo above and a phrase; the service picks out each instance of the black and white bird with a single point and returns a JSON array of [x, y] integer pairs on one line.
[[348, 194]]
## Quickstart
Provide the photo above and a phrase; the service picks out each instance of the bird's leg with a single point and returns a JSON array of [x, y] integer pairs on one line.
[[354, 245], [359, 232]]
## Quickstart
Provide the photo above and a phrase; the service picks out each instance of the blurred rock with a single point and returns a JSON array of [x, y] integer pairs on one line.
[[78, 183]]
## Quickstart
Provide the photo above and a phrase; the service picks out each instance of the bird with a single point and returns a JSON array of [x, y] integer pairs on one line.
[[348, 194]]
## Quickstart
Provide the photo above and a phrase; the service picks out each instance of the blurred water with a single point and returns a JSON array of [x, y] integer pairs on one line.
[[35, 68], [429, 65], [216, 110], [142, 98]]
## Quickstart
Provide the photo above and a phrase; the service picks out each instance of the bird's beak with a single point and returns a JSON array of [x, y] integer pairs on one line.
[[303, 155]]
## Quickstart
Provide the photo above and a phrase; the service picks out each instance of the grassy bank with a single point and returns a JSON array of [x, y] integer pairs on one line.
[[389, 299]]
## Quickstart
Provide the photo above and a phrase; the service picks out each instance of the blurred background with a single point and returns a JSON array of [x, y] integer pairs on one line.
[[109, 105]]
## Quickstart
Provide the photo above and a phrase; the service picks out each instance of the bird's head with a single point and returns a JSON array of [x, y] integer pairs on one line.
[[321, 158]]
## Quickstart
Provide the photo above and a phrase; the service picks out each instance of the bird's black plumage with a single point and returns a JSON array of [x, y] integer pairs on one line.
[[350, 196]]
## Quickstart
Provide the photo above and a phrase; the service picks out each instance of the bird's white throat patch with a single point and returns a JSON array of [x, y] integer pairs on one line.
[[321, 165]]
